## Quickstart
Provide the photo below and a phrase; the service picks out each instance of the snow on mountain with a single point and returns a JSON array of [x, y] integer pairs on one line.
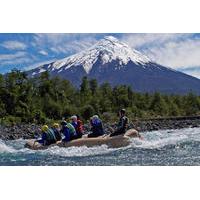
[[113, 61], [108, 48]]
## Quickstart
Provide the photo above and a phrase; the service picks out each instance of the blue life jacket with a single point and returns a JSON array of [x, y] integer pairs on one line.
[[48, 137], [69, 132], [97, 127]]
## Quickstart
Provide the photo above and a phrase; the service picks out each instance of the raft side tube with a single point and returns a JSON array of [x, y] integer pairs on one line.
[[34, 145], [111, 142]]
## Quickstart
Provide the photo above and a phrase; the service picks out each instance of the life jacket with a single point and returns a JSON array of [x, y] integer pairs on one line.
[[97, 127], [123, 123], [50, 137], [79, 126], [57, 134], [71, 128]]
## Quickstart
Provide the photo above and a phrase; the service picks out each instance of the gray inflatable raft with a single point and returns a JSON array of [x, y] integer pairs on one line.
[[111, 142]]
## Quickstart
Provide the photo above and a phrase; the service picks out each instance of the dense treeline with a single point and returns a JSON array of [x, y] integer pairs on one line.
[[41, 99]]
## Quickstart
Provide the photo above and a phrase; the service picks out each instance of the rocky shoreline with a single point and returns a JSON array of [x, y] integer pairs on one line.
[[30, 131]]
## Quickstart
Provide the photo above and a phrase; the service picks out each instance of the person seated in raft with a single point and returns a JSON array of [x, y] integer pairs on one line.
[[68, 131], [78, 125], [48, 136], [97, 127], [56, 131], [122, 125]]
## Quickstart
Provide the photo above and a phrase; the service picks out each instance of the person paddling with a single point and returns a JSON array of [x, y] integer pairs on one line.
[[122, 125], [48, 136], [68, 131], [56, 131], [78, 125], [96, 127]]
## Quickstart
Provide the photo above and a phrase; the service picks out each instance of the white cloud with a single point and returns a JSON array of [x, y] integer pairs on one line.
[[16, 55], [18, 61], [140, 40], [193, 71], [64, 43], [173, 50], [14, 45], [43, 52], [19, 58], [182, 54]]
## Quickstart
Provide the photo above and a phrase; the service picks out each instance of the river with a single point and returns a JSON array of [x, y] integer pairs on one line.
[[164, 147]]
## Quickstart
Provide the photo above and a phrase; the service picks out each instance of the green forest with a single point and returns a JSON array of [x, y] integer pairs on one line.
[[42, 99]]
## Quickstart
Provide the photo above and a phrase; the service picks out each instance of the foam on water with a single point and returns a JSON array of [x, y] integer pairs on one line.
[[78, 151], [5, 148], [162, 138]]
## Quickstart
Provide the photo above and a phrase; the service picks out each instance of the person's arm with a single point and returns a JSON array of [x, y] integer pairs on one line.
[[67, 134], [59, 135], [102, 128], [62, 130], [91, 125], [43, 140]]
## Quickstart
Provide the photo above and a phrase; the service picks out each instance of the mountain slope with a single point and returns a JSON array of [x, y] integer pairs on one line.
[[112, 61]]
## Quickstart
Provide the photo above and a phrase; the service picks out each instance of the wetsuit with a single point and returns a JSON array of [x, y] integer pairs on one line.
[[121, 127], [97, 128]]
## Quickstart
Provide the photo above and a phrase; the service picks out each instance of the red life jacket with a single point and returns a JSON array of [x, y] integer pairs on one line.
[[79, 126]]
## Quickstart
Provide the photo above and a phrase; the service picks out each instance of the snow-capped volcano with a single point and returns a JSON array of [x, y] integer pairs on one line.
[[108, 49], [111, 60]]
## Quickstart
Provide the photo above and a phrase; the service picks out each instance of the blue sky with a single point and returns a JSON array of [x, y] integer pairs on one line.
[[26, 51]]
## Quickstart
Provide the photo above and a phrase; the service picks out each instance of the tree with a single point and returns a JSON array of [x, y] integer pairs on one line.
[[93, 86], [85, 89], [192, 104], [44, 85], [85, 92], [2, 109], [53, 109], [158, 104], [39, 99], [87, 111], [173, 109], [120, 96]]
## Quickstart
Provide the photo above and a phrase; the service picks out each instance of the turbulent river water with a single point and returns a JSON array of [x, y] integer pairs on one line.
[[164, 147]]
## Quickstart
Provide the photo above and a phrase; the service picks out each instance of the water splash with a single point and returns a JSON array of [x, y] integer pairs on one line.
[[162, 138], [78, 151], [5, 148]]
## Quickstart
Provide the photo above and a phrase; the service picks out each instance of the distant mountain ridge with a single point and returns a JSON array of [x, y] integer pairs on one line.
[[113, 61]]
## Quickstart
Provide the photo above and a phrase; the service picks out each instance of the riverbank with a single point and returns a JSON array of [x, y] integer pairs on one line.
[[166, 123], [29, 131]]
